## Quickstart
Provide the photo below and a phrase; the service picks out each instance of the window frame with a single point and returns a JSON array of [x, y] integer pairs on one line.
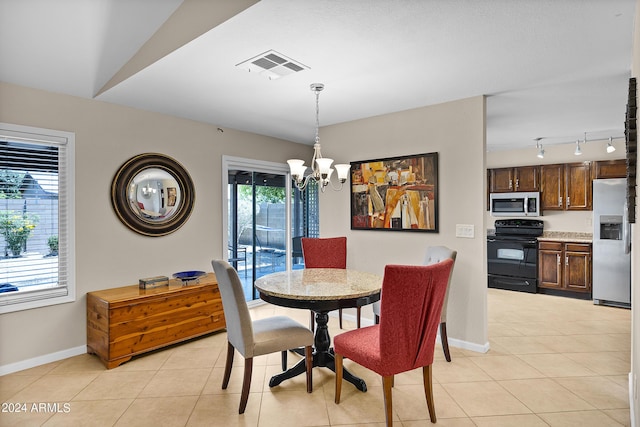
[[13, 302]]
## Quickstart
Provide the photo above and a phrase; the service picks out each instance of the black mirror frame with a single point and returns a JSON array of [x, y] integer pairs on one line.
[[128, 171]]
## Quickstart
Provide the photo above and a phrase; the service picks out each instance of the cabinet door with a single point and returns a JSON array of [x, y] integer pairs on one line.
[[550, 265], [502, 180], [552, 187], [578, 186], [526, 178], [610, 169], [577, 267]]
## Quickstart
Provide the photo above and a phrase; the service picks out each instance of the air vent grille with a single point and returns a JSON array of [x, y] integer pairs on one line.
[[272, 65]]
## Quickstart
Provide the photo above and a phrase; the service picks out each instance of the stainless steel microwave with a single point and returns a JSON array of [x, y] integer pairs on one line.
[[517, 204]]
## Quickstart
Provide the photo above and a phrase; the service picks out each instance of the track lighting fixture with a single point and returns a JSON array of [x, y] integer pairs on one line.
[[610, 147], [540, 149], [578, 151]]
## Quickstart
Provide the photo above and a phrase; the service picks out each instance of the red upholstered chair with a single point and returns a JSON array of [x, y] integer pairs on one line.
[[326, 253], [434, 255], [410, 307]]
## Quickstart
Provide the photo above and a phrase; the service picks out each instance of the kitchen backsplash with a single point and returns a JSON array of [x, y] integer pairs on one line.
[[560, 221]]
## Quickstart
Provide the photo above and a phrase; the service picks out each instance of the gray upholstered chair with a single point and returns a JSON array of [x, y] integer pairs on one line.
[[434, 255], [255, 337]]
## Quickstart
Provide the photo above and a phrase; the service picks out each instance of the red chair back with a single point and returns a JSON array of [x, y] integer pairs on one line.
[[410, 307], [324, 253]]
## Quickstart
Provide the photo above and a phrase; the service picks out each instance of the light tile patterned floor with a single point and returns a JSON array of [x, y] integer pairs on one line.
[[553, 362]]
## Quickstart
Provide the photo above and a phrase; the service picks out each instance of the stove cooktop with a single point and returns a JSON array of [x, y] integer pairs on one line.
[[519, 227]]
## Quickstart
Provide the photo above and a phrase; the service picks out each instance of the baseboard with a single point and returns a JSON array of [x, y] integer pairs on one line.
[[42, 360], [632, 399], [465, 345]]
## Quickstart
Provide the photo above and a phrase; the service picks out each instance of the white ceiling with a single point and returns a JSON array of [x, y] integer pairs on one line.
[[550, 68]]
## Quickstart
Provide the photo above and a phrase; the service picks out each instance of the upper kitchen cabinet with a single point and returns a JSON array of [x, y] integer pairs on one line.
[[578, 186], [552, 187], [609, 169], [566, 186], [522, 178]]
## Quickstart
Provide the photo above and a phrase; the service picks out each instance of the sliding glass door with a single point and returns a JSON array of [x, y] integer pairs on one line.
[[265, 220]]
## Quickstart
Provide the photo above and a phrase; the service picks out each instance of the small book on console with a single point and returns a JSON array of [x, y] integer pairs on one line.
[[154, 282]]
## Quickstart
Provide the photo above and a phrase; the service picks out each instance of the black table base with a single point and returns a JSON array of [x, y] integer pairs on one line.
[[322, 357]]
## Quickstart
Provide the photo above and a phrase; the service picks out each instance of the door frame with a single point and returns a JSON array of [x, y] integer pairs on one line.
[[261, 166]]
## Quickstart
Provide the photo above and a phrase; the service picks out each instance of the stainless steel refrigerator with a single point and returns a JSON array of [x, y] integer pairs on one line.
[[611, 244]]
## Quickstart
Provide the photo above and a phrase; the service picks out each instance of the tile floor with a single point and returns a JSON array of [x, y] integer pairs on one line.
[[553, 362]]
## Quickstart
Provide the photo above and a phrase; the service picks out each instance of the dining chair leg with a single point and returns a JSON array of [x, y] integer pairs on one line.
[[358, 317], [428, 391], [338, 367], [284, 361], [228, 365], [340, 317], [387, 384], [445, 341], [246, 384], [308, 355]]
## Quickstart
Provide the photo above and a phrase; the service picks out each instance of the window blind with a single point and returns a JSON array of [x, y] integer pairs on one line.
[[35, 227]]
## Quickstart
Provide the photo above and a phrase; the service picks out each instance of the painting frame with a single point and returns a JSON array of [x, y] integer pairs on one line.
[[395, 193]]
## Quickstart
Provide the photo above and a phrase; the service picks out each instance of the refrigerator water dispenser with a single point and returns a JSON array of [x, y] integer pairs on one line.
[[611, 227]]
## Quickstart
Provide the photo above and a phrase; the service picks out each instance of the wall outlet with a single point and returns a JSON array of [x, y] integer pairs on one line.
[[465, 230]]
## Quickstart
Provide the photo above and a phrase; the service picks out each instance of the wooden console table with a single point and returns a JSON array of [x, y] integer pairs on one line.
[[127, 321]]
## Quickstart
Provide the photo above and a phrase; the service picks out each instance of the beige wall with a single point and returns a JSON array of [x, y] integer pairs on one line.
[[456, 131], [635, 254], [108, 253]]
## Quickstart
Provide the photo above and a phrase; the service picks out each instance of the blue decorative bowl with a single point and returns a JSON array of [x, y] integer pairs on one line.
[[187, 276]]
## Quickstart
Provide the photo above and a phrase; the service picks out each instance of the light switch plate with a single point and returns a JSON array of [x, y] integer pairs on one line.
[[465, 230]]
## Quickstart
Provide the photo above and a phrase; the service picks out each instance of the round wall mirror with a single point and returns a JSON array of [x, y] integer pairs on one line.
[[152, 194]]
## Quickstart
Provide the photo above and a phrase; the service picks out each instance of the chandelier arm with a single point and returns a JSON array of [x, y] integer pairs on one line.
[[334, 187], [317, 154], [302, 183]]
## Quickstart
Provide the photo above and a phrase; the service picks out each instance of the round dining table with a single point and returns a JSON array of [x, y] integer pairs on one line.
[[321, 290]]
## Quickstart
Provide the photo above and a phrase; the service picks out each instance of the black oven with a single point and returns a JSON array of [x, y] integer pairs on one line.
[[512, 255]]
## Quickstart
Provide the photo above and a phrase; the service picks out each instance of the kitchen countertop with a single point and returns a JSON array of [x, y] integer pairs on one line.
[[557, 236], [566, 236]]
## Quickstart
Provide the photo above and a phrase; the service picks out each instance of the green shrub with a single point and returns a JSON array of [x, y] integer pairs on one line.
[[16, 229]]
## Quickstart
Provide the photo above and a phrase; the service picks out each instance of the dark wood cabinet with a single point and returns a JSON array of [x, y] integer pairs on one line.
[[550, 265], [564, 266], [562, 186], [566, 186], [552, 187], [577, 267], [609, 169], [527, 178], [501, 180], [522, 178], [577, 186]]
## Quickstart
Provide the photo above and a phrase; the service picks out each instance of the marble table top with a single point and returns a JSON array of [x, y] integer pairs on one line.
[[320, 284]]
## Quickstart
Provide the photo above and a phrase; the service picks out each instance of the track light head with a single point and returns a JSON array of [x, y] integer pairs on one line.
[[578, 151]]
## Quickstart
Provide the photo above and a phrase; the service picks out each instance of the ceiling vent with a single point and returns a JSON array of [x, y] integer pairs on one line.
[[272, 65]]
